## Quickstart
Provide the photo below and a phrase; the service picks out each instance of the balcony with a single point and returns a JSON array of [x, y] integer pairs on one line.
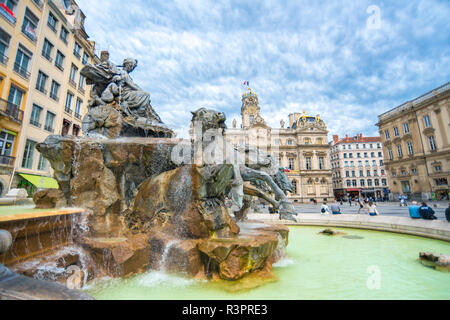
[[77, 115], [11, 110], [7, 160], [52, 27], [30, 33], [77, 55], [81, 90], [59, 66], [7, 13], [49, 129], [3, 59], [68, 110], [21, 71]]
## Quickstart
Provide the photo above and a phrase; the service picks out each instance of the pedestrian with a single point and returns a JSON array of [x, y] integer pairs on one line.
[[414, 210], [361, 205], [447, 213], [324, 209], [350, 201], [405, 203], [402, 201], [427, 212], [372, 209], [335, 209]]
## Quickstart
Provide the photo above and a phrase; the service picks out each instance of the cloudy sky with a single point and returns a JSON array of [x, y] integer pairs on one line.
[[348, 61]]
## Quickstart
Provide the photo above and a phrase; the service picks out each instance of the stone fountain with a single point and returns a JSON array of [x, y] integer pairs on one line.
[[157, 202]]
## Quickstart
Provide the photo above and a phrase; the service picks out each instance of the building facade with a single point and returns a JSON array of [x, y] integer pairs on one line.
[[415, 137], [357, 165], [43, 46], [301, 148]]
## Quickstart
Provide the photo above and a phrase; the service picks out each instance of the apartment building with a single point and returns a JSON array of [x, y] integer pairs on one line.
[[416, 137], [47, 48], [357, 165], [301, 147]]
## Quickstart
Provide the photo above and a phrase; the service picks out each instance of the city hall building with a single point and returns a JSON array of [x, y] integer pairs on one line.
[[301, 147]]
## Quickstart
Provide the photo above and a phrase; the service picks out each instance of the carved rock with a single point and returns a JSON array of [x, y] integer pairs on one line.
[[440, 262], [49, 198]]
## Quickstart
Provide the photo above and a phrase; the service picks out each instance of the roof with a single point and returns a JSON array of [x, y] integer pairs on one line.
[[357, 139]]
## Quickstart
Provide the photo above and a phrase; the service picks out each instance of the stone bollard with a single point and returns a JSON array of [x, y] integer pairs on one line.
[[5, 241]]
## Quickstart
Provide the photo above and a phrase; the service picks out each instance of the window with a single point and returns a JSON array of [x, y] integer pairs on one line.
[[54, 90], [361, 173], [7, 139], [352, 164], [427, 122], [372, 154], [47, 50], [15, 96], [367, 163], [391, 154], [414, 171], [78, 109], [357, 146], [377, 182], [348, 183], [371, 146], [294, 187], [343, 147], [365, 154], [59, 60], [380, 154], [64, 34], [358, 155], [437, 168], [354, 183], [378, 145], [68, 106], [375, 173], [308, 163], [49, 121], [77, 50], [81, 82], [52, 21], [36, 116], [369, 182], [399, 151], [349, 146], [350, 155], [23, 58], [289, 142], [65, 127], [346, 163], [85, 58], [29, 26], [75, 130], [41, 81], [27, 161], [405, 128], [374, 163], [364, 145], [4, 45], [291, 164], [73, 73], [43, 163], [345, 156], [353, 174], [347, 174], [386, 134], [381, 162], [360, 163], [361, 182], [396, 131], [432, 143], [384, 182], [410, 148], [368, 173], [321, 163]]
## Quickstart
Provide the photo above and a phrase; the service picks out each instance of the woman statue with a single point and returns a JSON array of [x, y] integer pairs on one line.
[[133, 99]]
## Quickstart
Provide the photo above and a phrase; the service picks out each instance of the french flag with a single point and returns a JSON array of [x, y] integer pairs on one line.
[[246, 83]]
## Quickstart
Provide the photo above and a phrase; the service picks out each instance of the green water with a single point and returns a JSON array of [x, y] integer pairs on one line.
[[12, 210], [380, 266]]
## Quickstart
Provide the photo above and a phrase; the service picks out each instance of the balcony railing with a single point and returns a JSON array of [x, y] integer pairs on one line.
[[11, 110], [68, 110], [41, 89], [35, 123], [54, 96], [7, 14], [52, 27], [77, 54], [22, 71], [73, 83], [3, 59], [59, 66], [39, 3], [77, 115], [29, 32], [47, 56], [49, 129], [81, 89], [7, 160]]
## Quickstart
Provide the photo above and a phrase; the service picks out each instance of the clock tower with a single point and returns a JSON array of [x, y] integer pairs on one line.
[[250, 109]]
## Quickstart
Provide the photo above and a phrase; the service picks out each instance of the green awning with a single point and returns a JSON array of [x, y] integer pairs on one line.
[[40, 181]]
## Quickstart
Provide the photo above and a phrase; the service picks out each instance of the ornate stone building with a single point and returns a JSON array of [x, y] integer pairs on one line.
[[358, 168], [415, 137], [302, 148]]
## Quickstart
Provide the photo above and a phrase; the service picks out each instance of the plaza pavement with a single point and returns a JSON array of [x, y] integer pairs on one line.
[[384, 208]]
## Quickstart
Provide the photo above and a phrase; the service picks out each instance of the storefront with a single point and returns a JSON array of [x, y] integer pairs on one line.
[[353, 192], [32, 183]]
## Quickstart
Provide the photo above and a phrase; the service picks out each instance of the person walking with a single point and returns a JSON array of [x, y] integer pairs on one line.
[[350, 201], [447, 213], [335, 209], [414, 210], [372, 209], [427, 212], [361, 205], [324, 210]]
